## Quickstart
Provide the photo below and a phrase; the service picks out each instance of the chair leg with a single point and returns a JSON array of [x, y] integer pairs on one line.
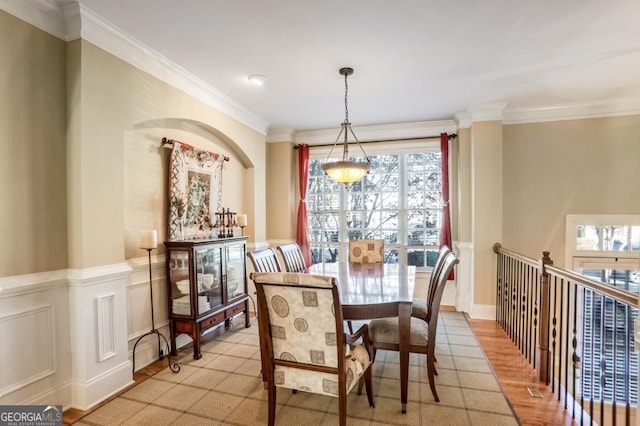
[[435, 371], [271, 396], [430, 372], [342, 410], [369, 383]]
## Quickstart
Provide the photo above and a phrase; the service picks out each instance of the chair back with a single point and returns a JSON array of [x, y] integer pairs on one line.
[[366, 251], [264, 260], [301, 329], [292, 256], [435, 274], [450, 260]]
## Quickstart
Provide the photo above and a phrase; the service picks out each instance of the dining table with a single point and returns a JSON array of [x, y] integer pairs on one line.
[[376, 290]]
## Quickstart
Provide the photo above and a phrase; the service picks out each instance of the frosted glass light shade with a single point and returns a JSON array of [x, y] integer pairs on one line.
[[346, 171]]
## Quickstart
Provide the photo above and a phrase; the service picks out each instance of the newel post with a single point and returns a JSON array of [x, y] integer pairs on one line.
[[543, 337]]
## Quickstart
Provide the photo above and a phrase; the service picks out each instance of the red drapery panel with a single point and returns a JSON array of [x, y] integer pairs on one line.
[[302, 231], [445, 232]]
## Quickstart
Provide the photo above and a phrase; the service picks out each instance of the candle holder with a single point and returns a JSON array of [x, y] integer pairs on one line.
[[225, 222], [148, 241], [241, 222]]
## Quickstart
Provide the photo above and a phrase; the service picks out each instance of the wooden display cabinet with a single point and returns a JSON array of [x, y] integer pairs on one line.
[[207, 286]]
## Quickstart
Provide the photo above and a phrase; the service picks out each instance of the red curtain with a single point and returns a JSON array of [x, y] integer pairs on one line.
[[302, 232], [445, 232]]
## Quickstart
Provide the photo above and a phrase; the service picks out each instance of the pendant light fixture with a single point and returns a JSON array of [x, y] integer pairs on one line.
[[346, 171]]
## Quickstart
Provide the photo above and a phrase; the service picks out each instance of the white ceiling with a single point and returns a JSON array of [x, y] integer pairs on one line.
[[414, 60]]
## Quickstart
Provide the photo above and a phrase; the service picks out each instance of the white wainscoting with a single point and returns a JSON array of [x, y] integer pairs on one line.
[[98, 326], [68, 335], [106, 327], [139, 309], [35, 352]]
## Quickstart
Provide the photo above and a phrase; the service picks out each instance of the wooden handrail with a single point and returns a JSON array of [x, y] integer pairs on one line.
[[497, 248], [619, 294]]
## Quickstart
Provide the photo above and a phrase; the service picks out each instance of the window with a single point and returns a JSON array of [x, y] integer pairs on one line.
[[400, 201], [606, 249]]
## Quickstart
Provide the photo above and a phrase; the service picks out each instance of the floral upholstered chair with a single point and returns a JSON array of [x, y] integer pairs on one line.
[[366, 251], [302, 337], [293, 258]]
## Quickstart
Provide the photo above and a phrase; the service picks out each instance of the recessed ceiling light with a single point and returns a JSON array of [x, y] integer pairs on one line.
[[258, 79]]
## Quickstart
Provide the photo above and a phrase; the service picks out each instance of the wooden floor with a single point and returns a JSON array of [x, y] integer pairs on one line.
[[513, 371], [516, 375]]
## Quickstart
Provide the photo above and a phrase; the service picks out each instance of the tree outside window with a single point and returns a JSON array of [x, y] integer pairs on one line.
[[400, 201]]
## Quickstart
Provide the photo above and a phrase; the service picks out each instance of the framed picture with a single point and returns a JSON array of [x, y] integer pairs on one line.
[[195, 191]]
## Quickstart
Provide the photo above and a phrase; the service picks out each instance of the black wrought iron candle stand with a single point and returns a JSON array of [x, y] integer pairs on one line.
[[175, 367]]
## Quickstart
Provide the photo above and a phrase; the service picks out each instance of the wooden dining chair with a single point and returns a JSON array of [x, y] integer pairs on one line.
[[419, 306], [302, 335], [366, 251], [293, 258], [264, 260], [385, 333]]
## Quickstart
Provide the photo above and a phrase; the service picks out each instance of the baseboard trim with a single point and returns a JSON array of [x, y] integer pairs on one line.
[[87, 395], [484, 312]]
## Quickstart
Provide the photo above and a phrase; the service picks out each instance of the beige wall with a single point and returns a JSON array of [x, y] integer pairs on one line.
[[33, 199], [68, 108], [462, 215], [114, 98], [282, 191], [486, 206], [566, 167], [145, 196]]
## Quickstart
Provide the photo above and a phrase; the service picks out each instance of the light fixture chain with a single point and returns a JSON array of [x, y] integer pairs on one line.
[[346, 92]]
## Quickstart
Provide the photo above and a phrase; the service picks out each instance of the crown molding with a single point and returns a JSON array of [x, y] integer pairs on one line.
[[115, 41], [422, 129], [607, 108], [463, 120], [280, 135], [76, 20], [46, 15], [73, 20], [487, 112]]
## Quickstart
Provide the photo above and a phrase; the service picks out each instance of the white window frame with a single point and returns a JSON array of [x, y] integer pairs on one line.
[[380, 148], [576, 258]]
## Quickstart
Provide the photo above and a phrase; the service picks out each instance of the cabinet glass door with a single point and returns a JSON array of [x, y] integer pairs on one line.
[[179, 279], [235, 270], [208, 279]]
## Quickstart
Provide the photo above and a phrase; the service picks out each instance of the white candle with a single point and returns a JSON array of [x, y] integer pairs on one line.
[[241, 220], [149, 239]]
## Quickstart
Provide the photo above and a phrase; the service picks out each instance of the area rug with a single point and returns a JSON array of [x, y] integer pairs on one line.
[[224, 387]]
